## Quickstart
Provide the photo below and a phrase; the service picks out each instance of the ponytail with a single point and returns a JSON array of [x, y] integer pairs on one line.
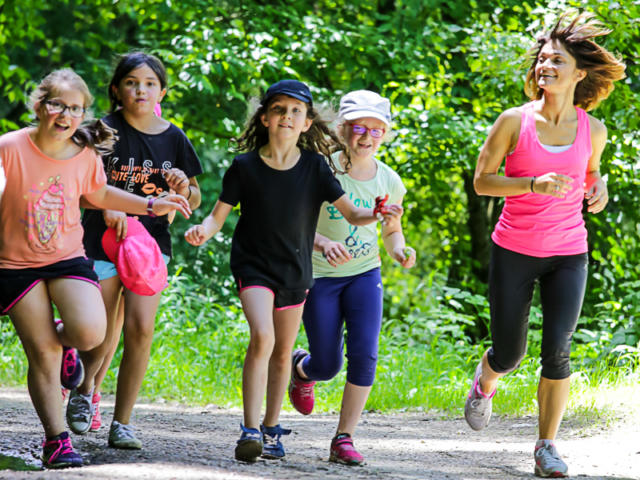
[[97, 136]]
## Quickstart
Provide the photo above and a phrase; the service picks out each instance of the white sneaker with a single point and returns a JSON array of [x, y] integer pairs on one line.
[[477, 408], [548, 462]]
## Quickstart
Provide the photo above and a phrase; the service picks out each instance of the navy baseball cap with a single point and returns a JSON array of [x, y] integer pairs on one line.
[[292, 88]]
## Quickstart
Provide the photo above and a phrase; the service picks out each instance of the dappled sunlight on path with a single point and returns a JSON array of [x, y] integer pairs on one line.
[[182, 442]]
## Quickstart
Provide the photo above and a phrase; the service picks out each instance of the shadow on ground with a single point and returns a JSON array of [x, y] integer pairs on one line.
[[197, 443]]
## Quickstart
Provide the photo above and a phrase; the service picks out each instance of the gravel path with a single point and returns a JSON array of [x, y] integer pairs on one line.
[[183, 442]]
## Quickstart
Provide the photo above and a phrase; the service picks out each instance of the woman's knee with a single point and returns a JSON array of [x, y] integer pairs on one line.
[[504, 362], [556, 364]]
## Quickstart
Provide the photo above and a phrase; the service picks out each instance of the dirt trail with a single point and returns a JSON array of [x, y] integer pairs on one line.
[[197, 443]]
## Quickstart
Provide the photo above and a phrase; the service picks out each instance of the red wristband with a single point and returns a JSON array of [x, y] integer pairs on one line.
[[150, 206]]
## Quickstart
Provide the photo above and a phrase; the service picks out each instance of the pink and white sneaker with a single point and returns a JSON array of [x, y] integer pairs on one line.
[[96, 422], [72, 370], [343, 451]]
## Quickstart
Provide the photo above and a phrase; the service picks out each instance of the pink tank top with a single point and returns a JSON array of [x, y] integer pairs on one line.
[[542, 225]]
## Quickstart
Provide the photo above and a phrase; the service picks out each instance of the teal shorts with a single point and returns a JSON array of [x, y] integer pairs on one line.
[[105, 269]]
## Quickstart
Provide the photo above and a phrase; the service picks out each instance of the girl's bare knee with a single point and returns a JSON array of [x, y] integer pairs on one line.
[[44, 358], [88, 340], [281, 357], [140, 333], [261, 343]]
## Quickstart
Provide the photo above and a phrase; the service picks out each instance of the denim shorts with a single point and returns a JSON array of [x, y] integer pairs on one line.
[[105, 269]]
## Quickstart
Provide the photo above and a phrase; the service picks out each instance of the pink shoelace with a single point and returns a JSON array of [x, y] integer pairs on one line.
[[64, 446]]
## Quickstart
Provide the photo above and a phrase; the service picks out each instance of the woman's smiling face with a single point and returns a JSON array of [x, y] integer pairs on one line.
[[556, 69]]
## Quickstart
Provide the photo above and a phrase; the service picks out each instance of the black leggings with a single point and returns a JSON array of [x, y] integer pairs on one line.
[[512, 278]]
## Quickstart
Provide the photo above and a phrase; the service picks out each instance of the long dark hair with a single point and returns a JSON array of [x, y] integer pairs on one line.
[[319, 138], [92, 134], [602, 67], [129, 62]]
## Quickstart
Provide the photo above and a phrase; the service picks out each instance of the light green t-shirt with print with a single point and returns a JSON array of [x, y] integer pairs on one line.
[[362, 241]]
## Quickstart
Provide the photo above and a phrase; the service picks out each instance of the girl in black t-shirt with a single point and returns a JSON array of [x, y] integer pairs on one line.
[[280, 184], [151, 158]]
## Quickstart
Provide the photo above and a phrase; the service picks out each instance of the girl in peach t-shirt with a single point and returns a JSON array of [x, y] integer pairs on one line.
[[47, 169]]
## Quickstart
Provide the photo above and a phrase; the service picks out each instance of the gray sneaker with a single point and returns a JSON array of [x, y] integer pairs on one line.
[[123, 436], [477, 408], [79, 412], [548, 462]]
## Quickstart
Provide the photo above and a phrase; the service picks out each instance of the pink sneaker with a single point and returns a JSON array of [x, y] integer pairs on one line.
[[300, 391], [343, 451], [96, 422], [72, 370]]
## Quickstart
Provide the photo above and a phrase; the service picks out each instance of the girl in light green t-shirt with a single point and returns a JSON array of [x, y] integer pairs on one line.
[[346, 266]]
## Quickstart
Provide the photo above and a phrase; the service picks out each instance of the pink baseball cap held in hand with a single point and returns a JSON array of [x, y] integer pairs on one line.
[[137, 258]]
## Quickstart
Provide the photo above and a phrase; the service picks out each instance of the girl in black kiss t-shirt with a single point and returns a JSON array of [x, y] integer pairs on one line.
[[151, 157], [280, 184]]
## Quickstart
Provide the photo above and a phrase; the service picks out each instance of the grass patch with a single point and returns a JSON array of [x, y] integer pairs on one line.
[[199, 350]]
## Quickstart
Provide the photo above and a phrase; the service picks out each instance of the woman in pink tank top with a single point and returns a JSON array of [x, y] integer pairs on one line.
[[551, 148]]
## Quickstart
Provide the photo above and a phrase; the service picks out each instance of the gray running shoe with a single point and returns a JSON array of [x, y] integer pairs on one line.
[[123, 436], [548, 462], [79, 412], [477, 408]]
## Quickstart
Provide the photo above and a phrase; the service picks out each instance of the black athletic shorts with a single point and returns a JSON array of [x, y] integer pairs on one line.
[[282, 299], [16, 283]]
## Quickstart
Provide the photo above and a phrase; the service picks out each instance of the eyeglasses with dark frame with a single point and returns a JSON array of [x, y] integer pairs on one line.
[[55, 107], [361, 130]]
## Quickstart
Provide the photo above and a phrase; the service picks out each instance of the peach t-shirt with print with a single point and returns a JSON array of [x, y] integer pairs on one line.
[[31, 236]]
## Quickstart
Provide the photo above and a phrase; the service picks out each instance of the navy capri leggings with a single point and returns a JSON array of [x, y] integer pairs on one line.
[[512, 278], [333, 303]]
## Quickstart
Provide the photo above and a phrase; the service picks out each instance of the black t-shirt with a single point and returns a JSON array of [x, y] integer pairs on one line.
[[136, 166], [279, 210]]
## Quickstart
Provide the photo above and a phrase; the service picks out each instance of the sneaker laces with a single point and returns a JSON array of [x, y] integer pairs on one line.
[[305, 388], [80, 407], [549, 454], [249, 434], [271, 435], [123, 431], [64, 447], [95, 403]]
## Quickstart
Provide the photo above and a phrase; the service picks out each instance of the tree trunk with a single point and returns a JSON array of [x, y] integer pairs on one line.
[[479, 228]]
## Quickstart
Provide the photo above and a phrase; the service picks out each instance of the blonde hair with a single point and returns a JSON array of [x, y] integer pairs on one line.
[[95, 135]]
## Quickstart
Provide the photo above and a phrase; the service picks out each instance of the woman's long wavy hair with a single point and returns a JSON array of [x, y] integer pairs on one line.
[[319, 138], [603, 68], [92, 134]]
